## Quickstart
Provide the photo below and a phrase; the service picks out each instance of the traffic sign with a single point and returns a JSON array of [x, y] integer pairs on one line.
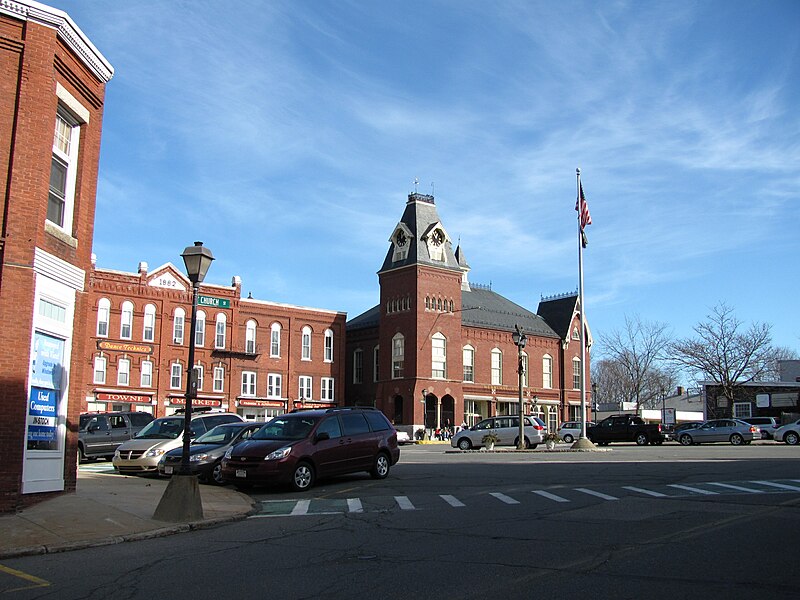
[[213, 302]]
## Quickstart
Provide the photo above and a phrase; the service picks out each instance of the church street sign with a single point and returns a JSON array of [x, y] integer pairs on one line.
[[213, 302]]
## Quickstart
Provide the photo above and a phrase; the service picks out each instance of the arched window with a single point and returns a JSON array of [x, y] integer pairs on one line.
[[497, 367], [219, 338], [250, 337], [103, 310], [126, 322], [305, 344], [427, 303], [547, 371], [149, 332], [375, 363], [398, 355], [451, 306], [524, 369], [438, 356], [576, 373], [200, 329], [576, 334], [178, 321], [328, 345], [438, 304], [358, 366], [469, 364], [275, 340]]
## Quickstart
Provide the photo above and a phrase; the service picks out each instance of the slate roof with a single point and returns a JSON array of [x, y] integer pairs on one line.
[[365, 320], [558, 313]]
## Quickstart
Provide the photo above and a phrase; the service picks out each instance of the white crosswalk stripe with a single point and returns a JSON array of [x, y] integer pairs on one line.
[[301, 508], [696, 490], [644, 491], [735, 487], [597, 494], [782, 486], [404, 503], [354, 505], [452, 500], [504, 498], [550, 496]]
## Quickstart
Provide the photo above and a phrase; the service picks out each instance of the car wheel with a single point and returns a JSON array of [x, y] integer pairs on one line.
[[527, 443], [215, 476], [81, 455], [569, 439], [642, 439], [464, 444], [737, 440], [791, 438], [302, 477], [381, 467], [685, 440]]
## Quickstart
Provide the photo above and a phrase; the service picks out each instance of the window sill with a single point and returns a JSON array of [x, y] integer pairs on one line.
[[59, 233]]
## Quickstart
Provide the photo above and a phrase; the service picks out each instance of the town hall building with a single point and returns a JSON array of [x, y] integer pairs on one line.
[[437, 350]]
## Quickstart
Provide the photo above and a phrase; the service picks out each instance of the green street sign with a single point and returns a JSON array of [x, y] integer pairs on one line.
[[213, 302]]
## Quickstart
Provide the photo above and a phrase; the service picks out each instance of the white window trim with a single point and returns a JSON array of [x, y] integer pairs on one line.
[[274, 380], [98, 360], [178, 326], [126, 371], [223, 321], [327, 389], [200, 329], [250, 337], [219, 378], [305, 348], [126, 321], [149, 315], [103, 306], [496, 370], [176, 366], [306, 387], [144, 371], [468, 349], [547, 374], [328, 346], [438, 361], [249, 381], [274, 329]]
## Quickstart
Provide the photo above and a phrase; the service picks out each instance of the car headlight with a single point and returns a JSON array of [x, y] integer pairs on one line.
[[229, 452], [279, 454], [199, 457], [155, 452]]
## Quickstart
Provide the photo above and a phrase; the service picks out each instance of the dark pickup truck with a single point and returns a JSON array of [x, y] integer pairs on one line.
[[625, 428]]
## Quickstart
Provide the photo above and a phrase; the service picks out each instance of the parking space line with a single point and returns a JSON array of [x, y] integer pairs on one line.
[[404, 503], [35, 581], [451, 500], [598, 494], [301, 508], [689, 488], [736, 487], [550, 496], [354, 505], [644, 491], [782, 486], [504, 498]]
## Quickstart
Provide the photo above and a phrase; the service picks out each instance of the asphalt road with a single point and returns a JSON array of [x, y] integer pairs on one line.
[[636, 522]]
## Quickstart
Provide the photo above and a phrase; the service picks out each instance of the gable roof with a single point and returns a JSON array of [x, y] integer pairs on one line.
[[558, 311], [481, 307]]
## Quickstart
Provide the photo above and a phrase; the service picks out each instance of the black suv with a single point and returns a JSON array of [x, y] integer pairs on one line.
[[100, 434], [299, 447]]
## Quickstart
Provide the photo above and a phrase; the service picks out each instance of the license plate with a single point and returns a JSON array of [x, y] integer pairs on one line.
[[241, 473], [168, 470]]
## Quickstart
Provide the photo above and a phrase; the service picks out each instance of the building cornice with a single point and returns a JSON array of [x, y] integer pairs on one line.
[[67, 31]]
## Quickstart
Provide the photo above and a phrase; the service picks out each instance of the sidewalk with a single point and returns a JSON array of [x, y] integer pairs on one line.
[[108, 508]]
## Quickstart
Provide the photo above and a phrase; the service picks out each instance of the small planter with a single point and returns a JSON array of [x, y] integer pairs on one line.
[[489, 440], [490, 446], [550, 444]]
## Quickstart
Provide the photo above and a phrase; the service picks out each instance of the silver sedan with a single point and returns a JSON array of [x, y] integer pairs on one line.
[[721, 430]]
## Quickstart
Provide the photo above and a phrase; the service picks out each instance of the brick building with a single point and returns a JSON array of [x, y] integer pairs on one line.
[[253, 357], [438, 349], [52, 91]]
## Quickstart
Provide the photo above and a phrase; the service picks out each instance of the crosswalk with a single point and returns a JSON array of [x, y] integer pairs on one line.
[[554, 496]]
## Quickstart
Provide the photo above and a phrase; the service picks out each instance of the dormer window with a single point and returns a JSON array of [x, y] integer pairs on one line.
[[436, 241], [401, 243]]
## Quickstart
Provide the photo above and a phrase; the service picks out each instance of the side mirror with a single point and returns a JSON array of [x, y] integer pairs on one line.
[[322, 437]]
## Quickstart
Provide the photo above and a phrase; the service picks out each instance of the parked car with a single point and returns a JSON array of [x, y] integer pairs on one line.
[[735, 431], [675, 434], [302, 446], [569, 431], [505, 428], [207, 450], [142, 453], [789, 433], [101, 433], [767, 425], [625, 428]]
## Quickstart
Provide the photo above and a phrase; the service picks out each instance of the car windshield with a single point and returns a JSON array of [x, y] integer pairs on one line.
[[221, 434], [167, 428], [286, 428]]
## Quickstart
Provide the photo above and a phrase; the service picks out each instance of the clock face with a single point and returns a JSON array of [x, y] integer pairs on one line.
[[437, 237], [401, 238]]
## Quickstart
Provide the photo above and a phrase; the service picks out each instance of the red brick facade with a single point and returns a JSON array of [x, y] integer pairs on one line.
[[247, 374], [48, 67], [420, 300]]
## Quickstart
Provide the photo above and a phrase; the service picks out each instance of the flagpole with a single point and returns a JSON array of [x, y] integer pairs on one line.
[[583, 439]]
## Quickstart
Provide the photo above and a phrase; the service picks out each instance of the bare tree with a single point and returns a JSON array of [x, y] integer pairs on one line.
[[614, 386], [776, 354], [724, 351], [637, 351]]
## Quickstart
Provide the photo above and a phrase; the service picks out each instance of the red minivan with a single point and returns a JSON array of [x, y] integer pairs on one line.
[[302, 446]]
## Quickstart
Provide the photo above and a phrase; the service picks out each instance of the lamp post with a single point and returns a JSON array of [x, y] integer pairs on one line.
[[424, 414], [181, 500], [594, 400], [520, 339]]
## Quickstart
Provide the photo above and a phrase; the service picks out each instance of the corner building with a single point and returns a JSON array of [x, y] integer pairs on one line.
[[253, 357], [438, 350], [52, 90]]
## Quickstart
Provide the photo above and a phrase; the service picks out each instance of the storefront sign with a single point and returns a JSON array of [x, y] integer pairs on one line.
[[197, 402], [213, 302], [130, 398], [42, 415], [48, 354], [260, 403], [125, 347]]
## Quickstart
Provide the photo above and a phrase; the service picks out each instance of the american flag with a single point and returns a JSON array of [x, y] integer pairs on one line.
[[583, 208]]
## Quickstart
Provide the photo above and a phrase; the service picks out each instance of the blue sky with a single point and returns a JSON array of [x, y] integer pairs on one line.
[[287, 135]]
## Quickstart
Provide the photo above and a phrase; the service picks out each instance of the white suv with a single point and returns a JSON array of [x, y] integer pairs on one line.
[[569, 431], [142, 453], [505, 428]]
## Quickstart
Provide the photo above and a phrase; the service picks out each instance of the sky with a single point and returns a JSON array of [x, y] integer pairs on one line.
[[286, 135]]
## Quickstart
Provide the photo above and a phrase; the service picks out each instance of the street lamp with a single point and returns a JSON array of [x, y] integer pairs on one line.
[[520, 339], [181, 500]]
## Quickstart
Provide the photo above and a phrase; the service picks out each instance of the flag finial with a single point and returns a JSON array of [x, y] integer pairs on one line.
[[578, 170]]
